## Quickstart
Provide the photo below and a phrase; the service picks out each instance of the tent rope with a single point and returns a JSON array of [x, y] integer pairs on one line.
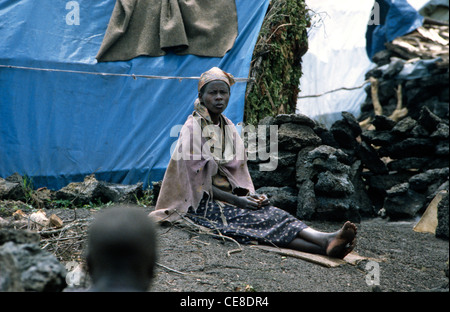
[[335, 90], [134, 76]]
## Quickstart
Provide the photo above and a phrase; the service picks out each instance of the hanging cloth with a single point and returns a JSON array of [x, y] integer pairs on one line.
[[155, 27]]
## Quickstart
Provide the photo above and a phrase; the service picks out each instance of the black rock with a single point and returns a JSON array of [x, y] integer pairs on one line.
[[279, 177], [378, 185], [293, 137], [11, 190], [402, 202], [410, 147], [37, 269], [343, 135], [441, 132], [423, 181], [371, 159], [326, 183], [326, 136], [299, 119], [404, 126], [286, 159], [419, 132], [282, 197], [428, 120], [352, 122], [306, 201], [381, 122], [386, 92], [442, 149], [18, 236], [336, 209], [417, 163], [443, 219], [346, 130], [394, 67], [378, 138], [92, 190], [333, 185], [325, 152], [382, 57], [156, 188]]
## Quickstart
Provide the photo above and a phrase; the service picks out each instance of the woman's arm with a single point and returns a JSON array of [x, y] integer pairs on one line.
[[238, 201]]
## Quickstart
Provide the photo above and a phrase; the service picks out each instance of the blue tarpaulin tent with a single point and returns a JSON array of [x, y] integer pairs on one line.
[[60, 124], [395, 18]]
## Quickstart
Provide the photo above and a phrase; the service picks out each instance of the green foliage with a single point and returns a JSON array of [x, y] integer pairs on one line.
[[62, 203], [276, 64], [28, 188], [146, 200]]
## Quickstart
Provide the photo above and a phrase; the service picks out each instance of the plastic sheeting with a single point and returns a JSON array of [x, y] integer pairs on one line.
[[338, 55], [336, 58], [396, 18], [57, 127], [418, 4]]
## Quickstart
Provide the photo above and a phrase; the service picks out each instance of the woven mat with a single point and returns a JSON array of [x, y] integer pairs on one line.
[[352, 258]]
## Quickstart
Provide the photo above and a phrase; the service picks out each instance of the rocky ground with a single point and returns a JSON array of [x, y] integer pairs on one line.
[[189, 261], [408, 261]]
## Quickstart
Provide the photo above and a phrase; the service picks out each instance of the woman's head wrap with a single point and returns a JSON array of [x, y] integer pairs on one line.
[[213, 74]]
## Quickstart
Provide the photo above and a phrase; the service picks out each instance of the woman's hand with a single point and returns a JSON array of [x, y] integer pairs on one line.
[[252, 201], [262, 199]]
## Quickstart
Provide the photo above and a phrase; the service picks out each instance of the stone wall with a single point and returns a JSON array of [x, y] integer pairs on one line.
[[345, 172], [314, 179]]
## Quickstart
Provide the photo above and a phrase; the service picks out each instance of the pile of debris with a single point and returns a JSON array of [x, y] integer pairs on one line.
[[36, 247], [34, 221], [78, 194]]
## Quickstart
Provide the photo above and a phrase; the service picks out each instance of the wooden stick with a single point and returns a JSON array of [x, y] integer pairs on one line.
[[399, 112], [378, 109]]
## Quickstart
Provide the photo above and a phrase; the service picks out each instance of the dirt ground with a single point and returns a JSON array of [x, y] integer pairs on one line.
[[405, 261], [408, 261], [190, 261]]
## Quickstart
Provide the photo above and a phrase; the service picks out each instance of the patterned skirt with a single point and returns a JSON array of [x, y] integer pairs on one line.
[[268, 225]]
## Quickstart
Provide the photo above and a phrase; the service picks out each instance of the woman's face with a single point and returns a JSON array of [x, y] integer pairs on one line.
[[215, 97]]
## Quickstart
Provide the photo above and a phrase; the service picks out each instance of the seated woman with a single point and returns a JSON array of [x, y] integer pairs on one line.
[[207, 181]]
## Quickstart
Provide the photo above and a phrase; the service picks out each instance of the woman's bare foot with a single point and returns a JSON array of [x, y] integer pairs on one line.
[[343, 242]]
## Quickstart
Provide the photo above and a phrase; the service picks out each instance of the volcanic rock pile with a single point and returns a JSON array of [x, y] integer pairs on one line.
[[405, 121], [414, 164], [348, 173], [411, 73], [90, 190], [391, 161], [314, 177]]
